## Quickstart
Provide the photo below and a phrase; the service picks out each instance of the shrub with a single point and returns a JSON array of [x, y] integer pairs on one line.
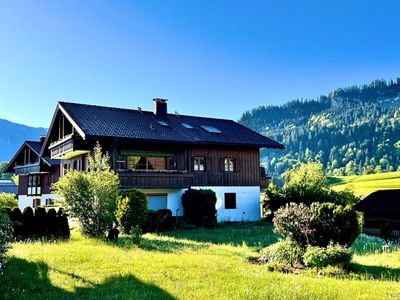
[[28, 222], [6, 232], [136, 234], [317, 225], [294, 221], [159, 220], [332, 255], [286, 252], [63, 230], [91, 196], [16, 218], [39, 223], [132, 210], [335, 223], [8, 200], [199, 207]]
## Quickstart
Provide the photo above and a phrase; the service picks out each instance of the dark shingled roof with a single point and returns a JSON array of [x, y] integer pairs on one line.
[[36, 146], [384, 201], [99, 121], [8, 186]]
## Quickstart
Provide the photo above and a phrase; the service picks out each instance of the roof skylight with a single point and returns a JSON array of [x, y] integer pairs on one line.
[[186, 125], [211, 129], [162, 123]]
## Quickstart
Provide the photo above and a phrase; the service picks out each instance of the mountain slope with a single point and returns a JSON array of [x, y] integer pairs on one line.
[[12, 135], [353, 130]]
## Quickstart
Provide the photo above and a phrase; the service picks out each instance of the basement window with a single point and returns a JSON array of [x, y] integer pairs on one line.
[[211, 129], [230, 200]]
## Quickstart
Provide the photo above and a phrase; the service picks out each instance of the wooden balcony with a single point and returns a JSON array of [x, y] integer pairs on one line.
[[155, 179], [66, 148], [27, 169]]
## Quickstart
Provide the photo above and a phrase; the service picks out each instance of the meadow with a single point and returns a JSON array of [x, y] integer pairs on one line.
[[363, 185], [187, 264]]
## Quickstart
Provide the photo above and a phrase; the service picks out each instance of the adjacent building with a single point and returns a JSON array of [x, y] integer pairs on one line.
[[35, 173], [381, 208]]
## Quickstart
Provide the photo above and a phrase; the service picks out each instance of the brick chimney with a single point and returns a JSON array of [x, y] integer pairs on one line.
[[160, 107]]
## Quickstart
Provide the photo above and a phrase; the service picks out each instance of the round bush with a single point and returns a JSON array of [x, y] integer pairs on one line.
[[132, 210], [199, 207], [317, 225]]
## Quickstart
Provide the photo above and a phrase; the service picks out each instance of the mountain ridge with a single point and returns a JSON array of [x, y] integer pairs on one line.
[[12, 135]]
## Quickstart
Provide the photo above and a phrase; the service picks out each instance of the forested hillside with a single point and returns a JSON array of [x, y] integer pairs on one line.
[[353, 130]]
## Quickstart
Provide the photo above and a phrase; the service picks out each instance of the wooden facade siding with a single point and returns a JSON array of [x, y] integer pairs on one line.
[[247, 167], [168, 180]]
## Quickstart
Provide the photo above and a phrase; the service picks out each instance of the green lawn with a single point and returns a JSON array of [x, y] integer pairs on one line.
[[363, 185], [186, 264]]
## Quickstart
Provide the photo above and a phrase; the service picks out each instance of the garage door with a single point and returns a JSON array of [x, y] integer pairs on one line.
[[157, 202]]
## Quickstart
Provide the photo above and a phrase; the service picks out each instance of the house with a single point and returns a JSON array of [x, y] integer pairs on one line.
[[381, 208], [8, 186], [35, 175], [164, 154]]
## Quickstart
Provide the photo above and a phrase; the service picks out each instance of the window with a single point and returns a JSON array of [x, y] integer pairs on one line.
[[230, 200], [162, 123], [36, 202], [157, 201], [211, 129], [199, 163], [229, 164], [49, 201], [33, 185], [147, 163], [186, 125]]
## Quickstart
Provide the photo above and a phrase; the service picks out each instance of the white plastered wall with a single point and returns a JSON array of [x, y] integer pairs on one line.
[[247, 202], [25, 201]]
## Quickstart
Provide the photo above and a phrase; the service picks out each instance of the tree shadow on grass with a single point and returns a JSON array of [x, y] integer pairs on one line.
[[376, 272], [29, 280], [161, 244], [335, 181]]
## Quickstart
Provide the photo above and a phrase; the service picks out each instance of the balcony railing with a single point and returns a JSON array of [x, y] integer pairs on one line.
[[155, 179], [59, 149], [25, 169]]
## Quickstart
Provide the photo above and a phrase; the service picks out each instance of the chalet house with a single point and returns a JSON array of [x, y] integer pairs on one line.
[[35, 173], [381, 208], [164, 154]]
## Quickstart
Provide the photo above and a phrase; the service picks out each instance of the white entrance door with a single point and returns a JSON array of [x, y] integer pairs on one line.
[[157, 202]]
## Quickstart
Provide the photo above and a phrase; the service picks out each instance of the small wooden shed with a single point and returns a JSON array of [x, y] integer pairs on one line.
[[381, 208]]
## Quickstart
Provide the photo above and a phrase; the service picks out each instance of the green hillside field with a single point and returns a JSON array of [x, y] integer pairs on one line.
[[363, 185]]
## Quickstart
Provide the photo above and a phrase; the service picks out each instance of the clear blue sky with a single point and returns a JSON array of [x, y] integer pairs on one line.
[[211, 58]]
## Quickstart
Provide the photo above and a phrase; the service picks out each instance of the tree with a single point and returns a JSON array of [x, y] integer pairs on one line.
[[91, 196]]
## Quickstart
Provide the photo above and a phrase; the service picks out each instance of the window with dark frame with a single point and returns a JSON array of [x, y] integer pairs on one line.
[[49, 201], [199, 163], [229, 164], [230, 201], [36, 202], [33, 185]]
